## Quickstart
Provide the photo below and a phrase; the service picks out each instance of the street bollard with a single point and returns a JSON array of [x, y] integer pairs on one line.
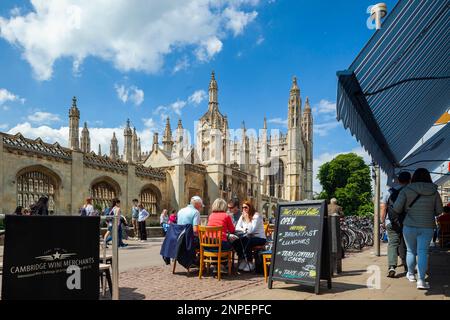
[[115, 257], [336, 246]]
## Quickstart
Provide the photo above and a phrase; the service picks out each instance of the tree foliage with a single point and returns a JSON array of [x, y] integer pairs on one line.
[[347, 178]]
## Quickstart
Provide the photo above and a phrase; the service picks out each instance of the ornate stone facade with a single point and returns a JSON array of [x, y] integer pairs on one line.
[[243, 164]]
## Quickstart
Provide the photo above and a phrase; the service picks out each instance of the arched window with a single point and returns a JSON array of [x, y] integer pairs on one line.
[[149, 200], [33, 185], [102, 194]]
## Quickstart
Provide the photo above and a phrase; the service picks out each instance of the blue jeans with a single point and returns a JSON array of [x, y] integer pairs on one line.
[[417, 244]]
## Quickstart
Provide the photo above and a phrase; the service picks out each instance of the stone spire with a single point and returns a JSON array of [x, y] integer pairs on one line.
[[155, 145], [213, 91], [114, 148], [74, 124], [134, 146], [307, 126], [139, 150], [99, 150], [167, 138], [85, 140], [265, 123], [127, 149], [294, 173]]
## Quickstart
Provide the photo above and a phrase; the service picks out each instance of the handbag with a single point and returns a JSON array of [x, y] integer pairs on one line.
[[397, 220]]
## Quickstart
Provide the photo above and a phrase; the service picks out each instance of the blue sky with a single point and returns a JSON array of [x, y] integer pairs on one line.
[[123, 60]]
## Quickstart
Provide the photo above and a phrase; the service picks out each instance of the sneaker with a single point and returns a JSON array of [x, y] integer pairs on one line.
[[391, 273], [410, 277], [422, 285]]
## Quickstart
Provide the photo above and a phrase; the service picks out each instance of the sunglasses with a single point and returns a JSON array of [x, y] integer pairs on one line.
[[244, 207]]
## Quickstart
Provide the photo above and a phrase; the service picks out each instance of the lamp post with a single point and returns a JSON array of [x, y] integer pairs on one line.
[[376, 223]]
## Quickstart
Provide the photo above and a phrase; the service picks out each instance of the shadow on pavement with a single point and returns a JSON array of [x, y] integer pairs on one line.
[[337, 287], [125, 294], [350, 273]]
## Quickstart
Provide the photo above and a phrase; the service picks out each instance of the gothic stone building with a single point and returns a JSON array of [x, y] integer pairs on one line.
[[265, 169]]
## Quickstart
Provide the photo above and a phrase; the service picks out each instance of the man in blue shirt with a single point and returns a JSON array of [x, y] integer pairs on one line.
[[191, 213]]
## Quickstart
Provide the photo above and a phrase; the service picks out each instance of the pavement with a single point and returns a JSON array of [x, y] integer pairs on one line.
[[144, 275]]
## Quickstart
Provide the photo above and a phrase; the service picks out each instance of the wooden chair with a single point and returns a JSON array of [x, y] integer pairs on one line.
[[211, 250], [105, 271], [267, 258], [444, 233]]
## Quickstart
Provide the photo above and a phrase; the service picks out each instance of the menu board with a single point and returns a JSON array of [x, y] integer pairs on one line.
[[301, 248]]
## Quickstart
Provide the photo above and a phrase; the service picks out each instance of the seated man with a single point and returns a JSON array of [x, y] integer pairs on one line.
[[191, 215]]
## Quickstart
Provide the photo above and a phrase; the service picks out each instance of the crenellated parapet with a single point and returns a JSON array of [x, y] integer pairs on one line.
[[19, 143]]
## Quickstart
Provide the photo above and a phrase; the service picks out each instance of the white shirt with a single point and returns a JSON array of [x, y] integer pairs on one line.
[[255, 228], [89, 209], [143, 214]]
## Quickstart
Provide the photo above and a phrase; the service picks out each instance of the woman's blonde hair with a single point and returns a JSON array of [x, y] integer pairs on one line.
[[219, 205]]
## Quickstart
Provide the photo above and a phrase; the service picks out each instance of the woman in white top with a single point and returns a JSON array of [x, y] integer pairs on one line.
[[252, 225]]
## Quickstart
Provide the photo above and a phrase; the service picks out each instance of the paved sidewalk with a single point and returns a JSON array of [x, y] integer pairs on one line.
[[352, 284]]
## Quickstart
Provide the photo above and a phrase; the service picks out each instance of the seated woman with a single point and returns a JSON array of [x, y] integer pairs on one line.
[[220, 218], [252, 225]]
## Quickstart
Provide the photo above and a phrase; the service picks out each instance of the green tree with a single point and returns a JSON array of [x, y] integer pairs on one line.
[[347, 178]]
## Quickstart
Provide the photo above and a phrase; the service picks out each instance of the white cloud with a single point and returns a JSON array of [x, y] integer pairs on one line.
[[325, 106], [278, 121], [197, 97], [238, 20], [3, 126], [6, 108], [323, 129], [259, 40], [181, 64], [6, 96], [131, 34], [209, 48], [132, 93], [177, 106], [40, 117]]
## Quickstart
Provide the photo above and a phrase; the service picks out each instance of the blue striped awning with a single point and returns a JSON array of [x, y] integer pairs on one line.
[[399, 84]]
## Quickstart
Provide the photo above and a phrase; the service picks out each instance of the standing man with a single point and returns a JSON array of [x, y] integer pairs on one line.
[[135, 217], [233, 210], [334, 209], [396, 244]]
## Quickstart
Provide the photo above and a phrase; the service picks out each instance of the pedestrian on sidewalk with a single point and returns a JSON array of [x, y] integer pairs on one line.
[[396, 243], [134, 217], [143, 215], [421, 202], [164, 221]]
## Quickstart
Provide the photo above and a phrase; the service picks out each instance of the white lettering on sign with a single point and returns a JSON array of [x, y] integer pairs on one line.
[[74, 280], [287, 253], [292, 234], [288, 221], [296, 241]]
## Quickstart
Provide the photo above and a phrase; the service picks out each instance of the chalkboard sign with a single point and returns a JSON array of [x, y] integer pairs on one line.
[[51, 257], [301, 248]]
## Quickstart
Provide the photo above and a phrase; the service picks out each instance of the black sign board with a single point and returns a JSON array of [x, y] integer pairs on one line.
[[301, 248], [51, 258]]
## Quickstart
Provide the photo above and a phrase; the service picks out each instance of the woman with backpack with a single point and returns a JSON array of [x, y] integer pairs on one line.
[[420, 202]]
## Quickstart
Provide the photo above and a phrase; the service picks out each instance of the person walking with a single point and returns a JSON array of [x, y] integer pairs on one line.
[[396, 243], [143, 215], [164, 221], [40, 208], [421, 203], [116, 211], [135, 218]]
